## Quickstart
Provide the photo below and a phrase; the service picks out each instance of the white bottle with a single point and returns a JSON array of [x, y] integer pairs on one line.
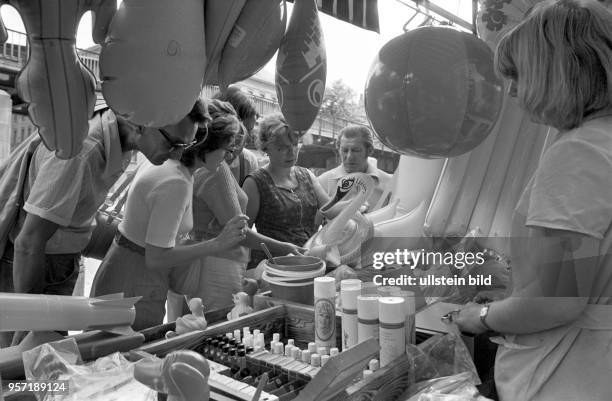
[[367, 318], [325, 311], [392, 329], [350, 289], [410, 313]]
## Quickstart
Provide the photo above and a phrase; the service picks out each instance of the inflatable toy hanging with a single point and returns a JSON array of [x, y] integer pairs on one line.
[[301, 67], [219, 20], [432, 93], [256, 36], [153, 61], [60, 90], [496, 17]]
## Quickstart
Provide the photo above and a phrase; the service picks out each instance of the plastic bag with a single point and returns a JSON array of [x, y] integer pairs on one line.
[[107, 379], [442, 355], [449, 388]]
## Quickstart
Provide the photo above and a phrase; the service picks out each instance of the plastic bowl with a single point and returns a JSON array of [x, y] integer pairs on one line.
[[296, 263]]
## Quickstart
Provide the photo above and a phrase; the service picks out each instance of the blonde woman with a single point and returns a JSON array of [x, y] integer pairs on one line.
[[557, 324]]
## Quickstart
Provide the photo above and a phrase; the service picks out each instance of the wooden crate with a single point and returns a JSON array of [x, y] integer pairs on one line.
[[338, 381]]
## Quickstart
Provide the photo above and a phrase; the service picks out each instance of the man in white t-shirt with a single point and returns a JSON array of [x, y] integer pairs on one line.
[[355, 145]]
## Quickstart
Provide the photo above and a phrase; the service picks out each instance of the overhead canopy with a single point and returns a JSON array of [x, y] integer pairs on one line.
[[362, 13]]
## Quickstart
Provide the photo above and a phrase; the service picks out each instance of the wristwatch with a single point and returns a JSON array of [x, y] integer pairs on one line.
[[484, 312]]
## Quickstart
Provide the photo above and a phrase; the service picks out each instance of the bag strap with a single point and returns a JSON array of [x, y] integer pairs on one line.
[[118, 198], [242, 175]]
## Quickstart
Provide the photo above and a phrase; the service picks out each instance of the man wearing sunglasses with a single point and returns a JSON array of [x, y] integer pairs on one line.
[[61, 197]]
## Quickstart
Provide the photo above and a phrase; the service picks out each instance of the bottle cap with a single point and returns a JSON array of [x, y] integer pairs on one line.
[[410, 301], [367, 307], [334, 351], [249, 349], [276, 337], [232, 351], [324, 287], [391, 310], [388, 290], [291, 341], [374, 365], [324, 359], [315, 360], [256, 332], [350, 289], [369, 288]]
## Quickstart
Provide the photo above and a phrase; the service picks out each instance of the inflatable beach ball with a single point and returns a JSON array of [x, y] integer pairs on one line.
[[432, 93]]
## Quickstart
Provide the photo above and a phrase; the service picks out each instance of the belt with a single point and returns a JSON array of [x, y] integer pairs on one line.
[[123, 242]]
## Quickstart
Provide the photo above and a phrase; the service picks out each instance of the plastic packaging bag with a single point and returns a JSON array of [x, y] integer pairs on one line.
[[107, 379], [449, 388], [442, 355]]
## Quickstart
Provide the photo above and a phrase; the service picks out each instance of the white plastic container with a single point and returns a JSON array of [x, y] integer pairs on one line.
[[392, 329]]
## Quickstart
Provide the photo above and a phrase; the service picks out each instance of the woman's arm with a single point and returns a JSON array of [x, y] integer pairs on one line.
[[560, 270], [232, 234], [250, 188]]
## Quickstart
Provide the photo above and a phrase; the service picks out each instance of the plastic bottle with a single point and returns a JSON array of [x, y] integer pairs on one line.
[[325, 311], [367, 315], [350, 289], [392, 329]]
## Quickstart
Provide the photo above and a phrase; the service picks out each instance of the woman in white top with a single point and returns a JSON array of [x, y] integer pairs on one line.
[[557, 323], [145, 259]]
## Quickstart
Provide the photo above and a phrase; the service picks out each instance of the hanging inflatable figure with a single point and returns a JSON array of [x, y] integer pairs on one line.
[[301, 67], [59, 89], [219, 20], [153, 60], [256, 36]]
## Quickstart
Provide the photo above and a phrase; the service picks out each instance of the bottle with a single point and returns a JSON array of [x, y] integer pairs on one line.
[[367, 318], [350, 289], [410, 313], [392, 329], [241, 363], [212, 350], [325, 311]]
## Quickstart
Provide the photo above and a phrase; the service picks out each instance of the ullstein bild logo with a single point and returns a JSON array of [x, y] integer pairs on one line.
[[413, 258]]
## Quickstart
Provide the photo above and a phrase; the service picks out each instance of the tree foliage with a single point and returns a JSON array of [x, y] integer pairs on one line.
[[339, 100]]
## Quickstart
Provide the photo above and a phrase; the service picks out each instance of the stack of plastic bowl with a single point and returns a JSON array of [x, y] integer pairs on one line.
[[292, 277]]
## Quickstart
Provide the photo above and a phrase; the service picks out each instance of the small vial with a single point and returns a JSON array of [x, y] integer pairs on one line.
[[237, 334], [334, 351], [229, 336], [374, 365], [367, 375], [312, 347], [256, 332], [288, 349], [246, 330], [315, 360], [276, 337], [306, 356], [279, 348], [296, 353]]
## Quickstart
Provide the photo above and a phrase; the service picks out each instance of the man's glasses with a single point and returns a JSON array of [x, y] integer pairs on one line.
[[175, 145]]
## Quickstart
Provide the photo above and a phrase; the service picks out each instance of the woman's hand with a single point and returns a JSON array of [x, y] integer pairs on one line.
[[286, 248], [468, 318], [233, 233]]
